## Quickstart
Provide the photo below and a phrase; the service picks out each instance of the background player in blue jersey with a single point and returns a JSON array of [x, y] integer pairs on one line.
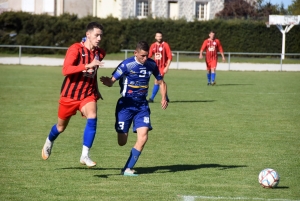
[[134, 75]]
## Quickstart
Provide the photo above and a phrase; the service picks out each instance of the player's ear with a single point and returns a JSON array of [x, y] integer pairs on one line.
[[88, 33]]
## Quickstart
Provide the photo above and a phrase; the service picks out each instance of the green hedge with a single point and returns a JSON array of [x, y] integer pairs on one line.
[[62, 31]]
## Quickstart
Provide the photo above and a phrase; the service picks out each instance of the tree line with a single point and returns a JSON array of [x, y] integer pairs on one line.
[[236, 35]]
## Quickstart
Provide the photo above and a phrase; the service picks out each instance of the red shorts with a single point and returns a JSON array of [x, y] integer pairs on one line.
[[211, 64], [68, 107], [161, 70]]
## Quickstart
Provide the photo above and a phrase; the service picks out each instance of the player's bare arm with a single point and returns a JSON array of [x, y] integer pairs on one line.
[[163, 92], [107, 81], [166, 69], [223, 57], [201, 54]]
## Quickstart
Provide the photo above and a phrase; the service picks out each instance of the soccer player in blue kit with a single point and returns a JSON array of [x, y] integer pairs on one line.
[[134, 76]]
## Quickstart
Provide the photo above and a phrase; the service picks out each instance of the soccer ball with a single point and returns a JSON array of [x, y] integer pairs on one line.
[[268, 178]]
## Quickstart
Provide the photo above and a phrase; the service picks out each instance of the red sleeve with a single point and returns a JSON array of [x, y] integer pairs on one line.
[[151, 51], [71, 65], [168, 52], [203, 47], [219, 46]]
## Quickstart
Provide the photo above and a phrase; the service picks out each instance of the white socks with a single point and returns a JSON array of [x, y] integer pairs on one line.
[[85, 151]]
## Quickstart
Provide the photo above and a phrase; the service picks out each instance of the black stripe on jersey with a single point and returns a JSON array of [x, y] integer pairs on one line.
[[69, 85], [89, 54], [90, 80], [83, 56], [71, 78], [85, 78], [82, 86], [63, 85], [78, 77]]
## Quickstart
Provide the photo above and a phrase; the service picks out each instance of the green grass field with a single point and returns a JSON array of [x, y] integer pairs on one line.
[[210, 143]]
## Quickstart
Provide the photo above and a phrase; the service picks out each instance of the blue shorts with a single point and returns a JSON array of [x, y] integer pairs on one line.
[[129, 110]]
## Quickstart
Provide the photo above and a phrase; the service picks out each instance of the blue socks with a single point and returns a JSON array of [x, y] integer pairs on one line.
[[134, 156], [88, 135], [208, 77], [213, 77], [154, 91], [53, 133], [89, 132]]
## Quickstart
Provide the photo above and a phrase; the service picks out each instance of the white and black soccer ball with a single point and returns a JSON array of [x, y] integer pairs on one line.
[[268, 178]]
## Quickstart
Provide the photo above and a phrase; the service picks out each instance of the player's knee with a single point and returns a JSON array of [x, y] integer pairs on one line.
[[91, 115], [61, 128]]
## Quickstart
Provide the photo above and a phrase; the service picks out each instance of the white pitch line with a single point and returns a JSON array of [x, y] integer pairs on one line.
[[192, 198], [259, 93]]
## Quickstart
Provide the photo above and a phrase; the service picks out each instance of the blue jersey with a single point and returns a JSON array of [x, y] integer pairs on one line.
[[134, 77]]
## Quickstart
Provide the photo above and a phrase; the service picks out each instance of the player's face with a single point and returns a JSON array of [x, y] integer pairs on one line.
[[158, 37], [94, 36], [141, 56], [211, 35]]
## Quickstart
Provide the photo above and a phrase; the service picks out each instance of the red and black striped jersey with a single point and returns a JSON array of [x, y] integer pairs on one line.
[[211, 47], [162, 53], [80, 83]]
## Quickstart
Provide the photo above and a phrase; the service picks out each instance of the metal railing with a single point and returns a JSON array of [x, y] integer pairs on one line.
[[229, 54], [29, 46], [175, 53]]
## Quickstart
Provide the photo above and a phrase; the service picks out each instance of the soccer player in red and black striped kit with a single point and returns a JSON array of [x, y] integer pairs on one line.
[[211, 46], [79, 90], [162, 57]]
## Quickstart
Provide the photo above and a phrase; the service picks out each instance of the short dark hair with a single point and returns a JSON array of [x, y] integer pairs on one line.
[[142, 45], [158, 31], [211, 31], [93, 25]]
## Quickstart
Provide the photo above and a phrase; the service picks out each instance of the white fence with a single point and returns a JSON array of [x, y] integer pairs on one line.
[[194, 55], [228, 55]]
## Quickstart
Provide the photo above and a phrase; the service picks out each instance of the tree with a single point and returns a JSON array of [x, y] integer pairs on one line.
[[237, 9], [266, 9], [294, 8]]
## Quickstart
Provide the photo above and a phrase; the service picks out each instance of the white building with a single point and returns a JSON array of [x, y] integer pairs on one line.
[[121, 9], [81, 8], [175, 9]]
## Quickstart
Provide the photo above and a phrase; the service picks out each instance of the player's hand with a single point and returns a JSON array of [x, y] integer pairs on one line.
[[94, 63], [164, 104], [166, 70], [106, 81], [223, 59], [200, 56]]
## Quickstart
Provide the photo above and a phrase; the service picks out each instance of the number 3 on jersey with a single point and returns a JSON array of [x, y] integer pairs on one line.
[[142, 73]]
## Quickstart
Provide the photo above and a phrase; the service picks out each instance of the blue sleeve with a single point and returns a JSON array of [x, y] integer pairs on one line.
[[119, 71]]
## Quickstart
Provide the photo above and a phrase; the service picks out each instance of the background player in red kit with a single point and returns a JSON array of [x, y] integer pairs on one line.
[[211, 46], [162, 57], [79, 90]]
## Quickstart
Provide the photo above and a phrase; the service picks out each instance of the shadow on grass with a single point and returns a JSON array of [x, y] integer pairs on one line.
[[177, 168], [86, 168], [281, 187], [192, 101], [230, 84], [158, 169]]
